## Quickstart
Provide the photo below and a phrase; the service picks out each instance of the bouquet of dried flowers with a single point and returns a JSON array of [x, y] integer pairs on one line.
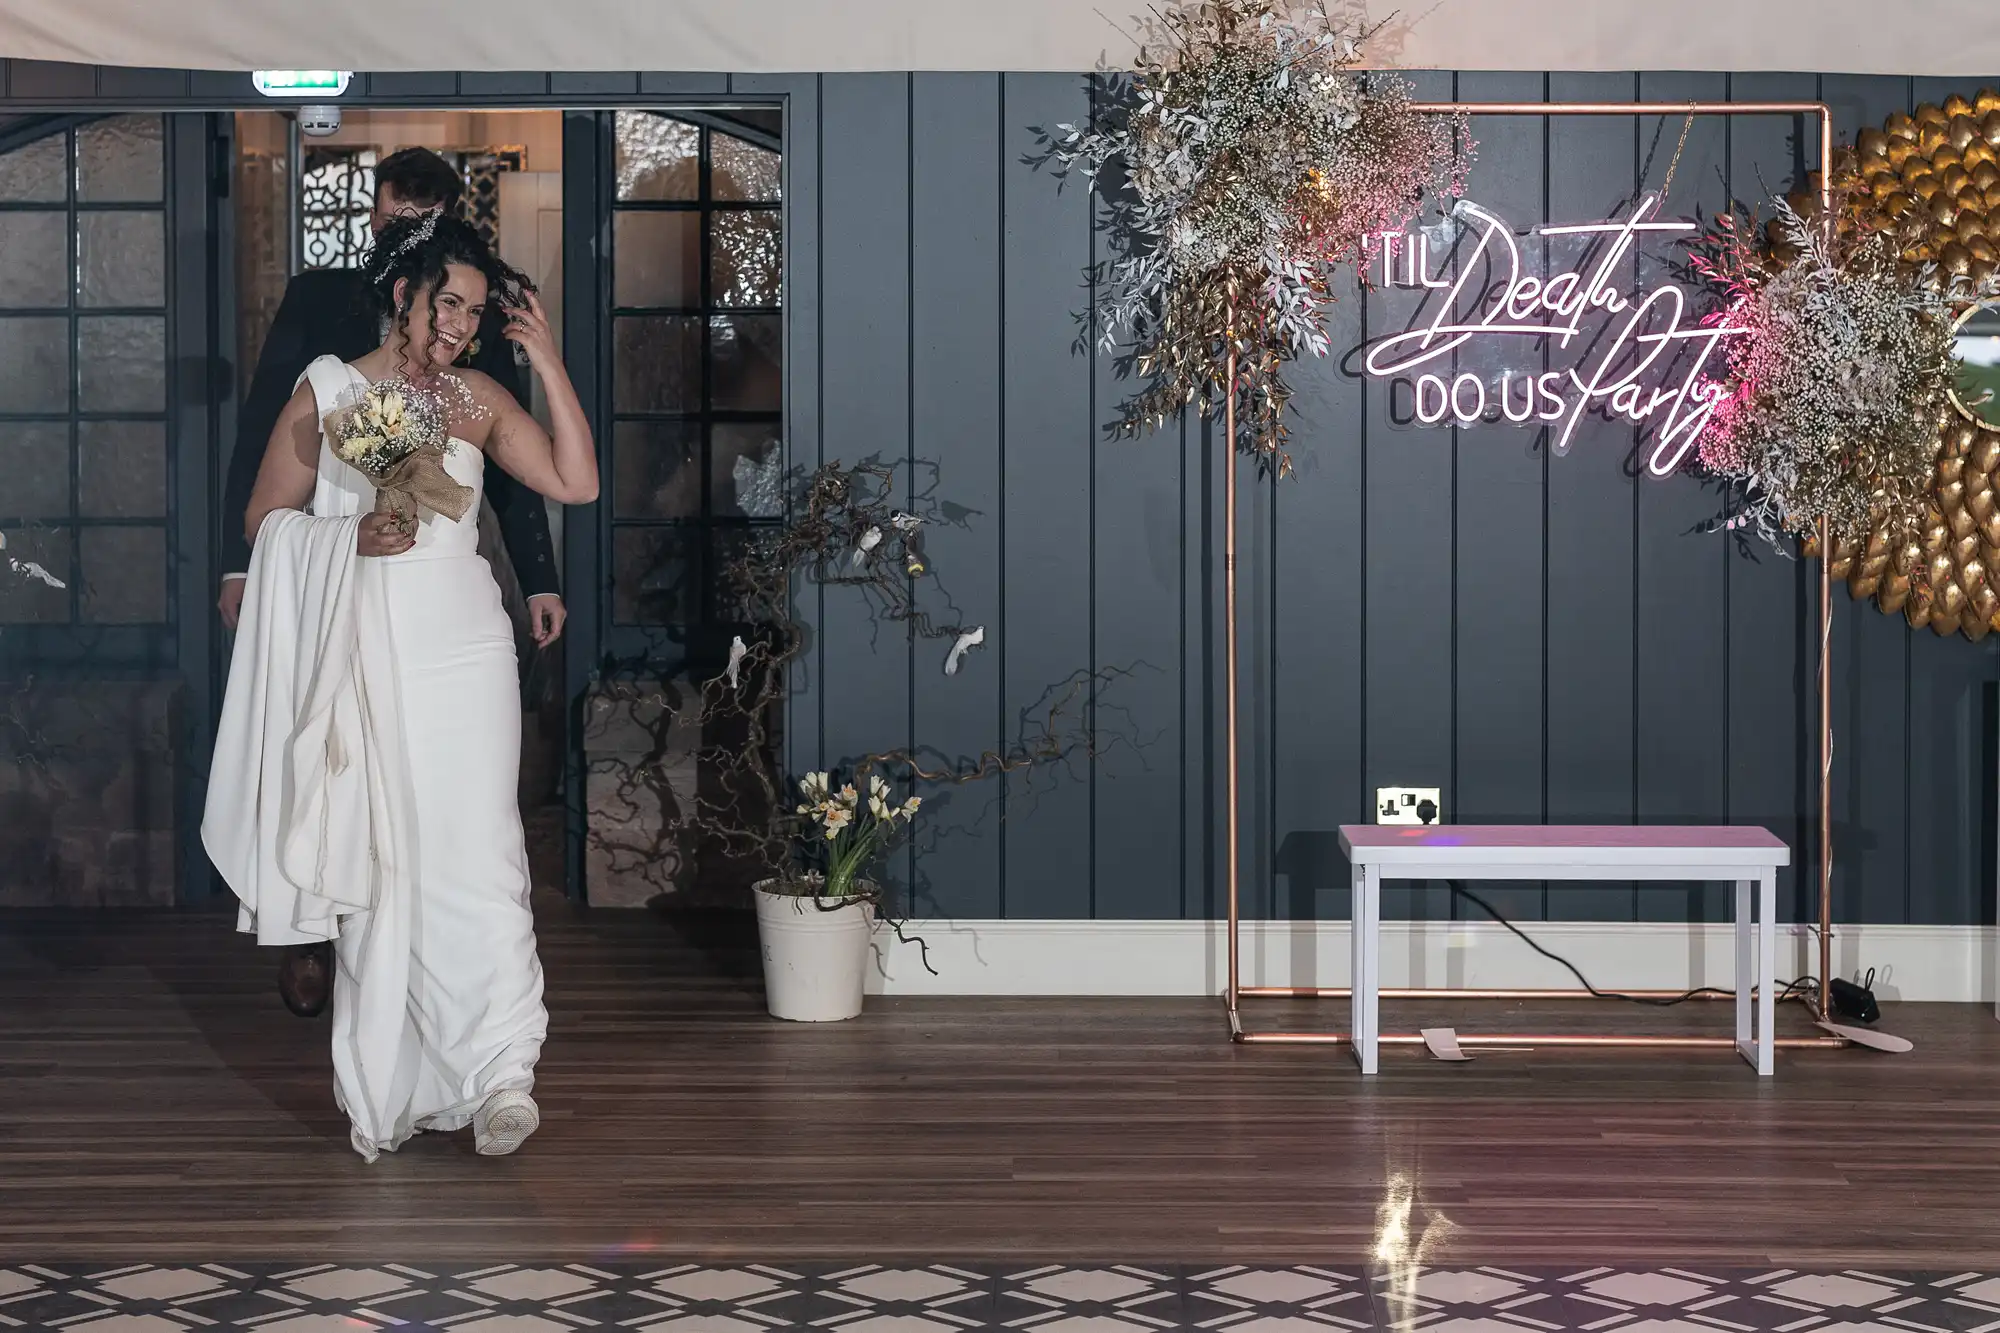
[[396, 434], [1840, 367], [1254, 155], [847, 832]]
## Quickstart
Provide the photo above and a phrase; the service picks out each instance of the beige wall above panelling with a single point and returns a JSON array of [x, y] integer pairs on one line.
[[540, 132]]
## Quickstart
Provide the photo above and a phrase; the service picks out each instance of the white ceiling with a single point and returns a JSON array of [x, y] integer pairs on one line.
[[1956, 38]]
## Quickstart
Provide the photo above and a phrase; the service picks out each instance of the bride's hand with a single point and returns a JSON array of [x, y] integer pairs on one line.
[[379, 535], [528, 326]]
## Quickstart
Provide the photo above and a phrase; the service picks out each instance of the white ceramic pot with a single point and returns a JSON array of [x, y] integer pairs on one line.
[[815, 955]]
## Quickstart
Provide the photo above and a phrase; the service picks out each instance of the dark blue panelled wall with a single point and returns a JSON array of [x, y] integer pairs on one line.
[[1544, 638]]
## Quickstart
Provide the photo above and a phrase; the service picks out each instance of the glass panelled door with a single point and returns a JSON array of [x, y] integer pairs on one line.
[[696, 340], [109, 375], [674, 263], [84, 463]]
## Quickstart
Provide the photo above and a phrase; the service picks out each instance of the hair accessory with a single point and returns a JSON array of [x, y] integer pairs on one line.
[[424, 231]]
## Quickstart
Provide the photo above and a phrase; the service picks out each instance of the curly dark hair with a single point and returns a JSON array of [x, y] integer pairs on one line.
[[418, 249]]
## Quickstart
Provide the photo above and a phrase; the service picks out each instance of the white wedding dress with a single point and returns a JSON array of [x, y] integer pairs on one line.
[[364, 790]]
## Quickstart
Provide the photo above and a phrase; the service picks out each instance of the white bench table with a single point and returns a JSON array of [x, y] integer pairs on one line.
[[1745, 855]]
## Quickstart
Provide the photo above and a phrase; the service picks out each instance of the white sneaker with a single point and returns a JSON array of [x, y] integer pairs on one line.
[[504, 1122]]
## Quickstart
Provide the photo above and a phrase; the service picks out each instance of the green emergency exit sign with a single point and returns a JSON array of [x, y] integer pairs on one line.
[[301, 82]]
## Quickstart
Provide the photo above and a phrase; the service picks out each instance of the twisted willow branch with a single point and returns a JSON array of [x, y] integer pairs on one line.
[[739, 811], [21, 740]]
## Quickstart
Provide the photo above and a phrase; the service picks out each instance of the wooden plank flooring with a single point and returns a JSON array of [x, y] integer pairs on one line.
[[157, 1103]]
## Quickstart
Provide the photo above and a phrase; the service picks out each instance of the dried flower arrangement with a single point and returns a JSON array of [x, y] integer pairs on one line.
[[1246, 155], [397, 434], [1838, 375]]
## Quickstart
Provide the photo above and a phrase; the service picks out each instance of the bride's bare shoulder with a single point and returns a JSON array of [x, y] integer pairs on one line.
[[476, 402], [478, 387]]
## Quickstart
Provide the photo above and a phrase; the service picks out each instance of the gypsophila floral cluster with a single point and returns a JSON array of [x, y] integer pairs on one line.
[[398, 434], [1250, 156], [1835, 385], [389, 422]]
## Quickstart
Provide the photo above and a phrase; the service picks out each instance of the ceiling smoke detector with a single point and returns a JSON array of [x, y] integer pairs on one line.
[[317, 122]]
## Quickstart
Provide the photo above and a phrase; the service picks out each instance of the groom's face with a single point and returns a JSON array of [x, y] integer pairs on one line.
[[388, 206]]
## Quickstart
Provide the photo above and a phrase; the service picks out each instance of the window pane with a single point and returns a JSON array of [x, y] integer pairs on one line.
[[655, 579], [34, 259], [121, 259], [122, 469], [656, 364], [745, 355], [656, 469], [335, 241], [118, 161], [657, 157], [122, 363], [34, 365], [26, 598], [35, 174], [34, 470], [656, 259], [747, 470], [336, 197], [747, 258], [339, 180], [124, 576], [742, 171]]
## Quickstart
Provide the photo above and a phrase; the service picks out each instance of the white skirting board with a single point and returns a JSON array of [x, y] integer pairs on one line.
[[1166, 958]]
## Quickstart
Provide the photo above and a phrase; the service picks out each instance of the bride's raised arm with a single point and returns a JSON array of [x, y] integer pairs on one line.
[[564, 467]]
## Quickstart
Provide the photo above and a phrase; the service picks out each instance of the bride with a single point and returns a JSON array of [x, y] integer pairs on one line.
[[364, 783]]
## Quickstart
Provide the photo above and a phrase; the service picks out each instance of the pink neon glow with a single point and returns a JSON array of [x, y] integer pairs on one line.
[[1654, 332]]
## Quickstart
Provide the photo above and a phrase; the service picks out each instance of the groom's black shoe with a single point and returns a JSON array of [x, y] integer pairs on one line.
[[305, 979]]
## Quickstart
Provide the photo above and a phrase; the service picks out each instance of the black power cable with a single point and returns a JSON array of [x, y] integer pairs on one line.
[[1803, 986]]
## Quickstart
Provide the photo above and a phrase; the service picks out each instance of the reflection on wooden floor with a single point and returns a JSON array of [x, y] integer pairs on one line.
[[160, 1106]]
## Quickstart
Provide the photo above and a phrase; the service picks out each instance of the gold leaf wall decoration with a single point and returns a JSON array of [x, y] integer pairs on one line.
[[1933, 179]]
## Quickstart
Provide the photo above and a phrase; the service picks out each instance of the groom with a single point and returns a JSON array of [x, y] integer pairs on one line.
[[327, 312]]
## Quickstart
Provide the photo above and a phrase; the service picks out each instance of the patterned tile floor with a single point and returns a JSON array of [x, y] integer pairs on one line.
[[943, 1298]]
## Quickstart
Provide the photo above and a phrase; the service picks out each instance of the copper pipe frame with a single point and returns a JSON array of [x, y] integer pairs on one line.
[[1229, 654], [1472, 993], [1825, 704], [1506, 1039], [1237, 992]]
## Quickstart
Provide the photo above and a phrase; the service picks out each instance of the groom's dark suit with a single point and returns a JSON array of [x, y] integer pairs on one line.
[[326, 313]]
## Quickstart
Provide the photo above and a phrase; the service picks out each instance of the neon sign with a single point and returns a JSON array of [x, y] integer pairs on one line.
[[1637, 355]]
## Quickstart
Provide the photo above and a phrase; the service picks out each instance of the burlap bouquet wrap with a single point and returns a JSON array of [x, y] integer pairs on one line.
[[397, 435]]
